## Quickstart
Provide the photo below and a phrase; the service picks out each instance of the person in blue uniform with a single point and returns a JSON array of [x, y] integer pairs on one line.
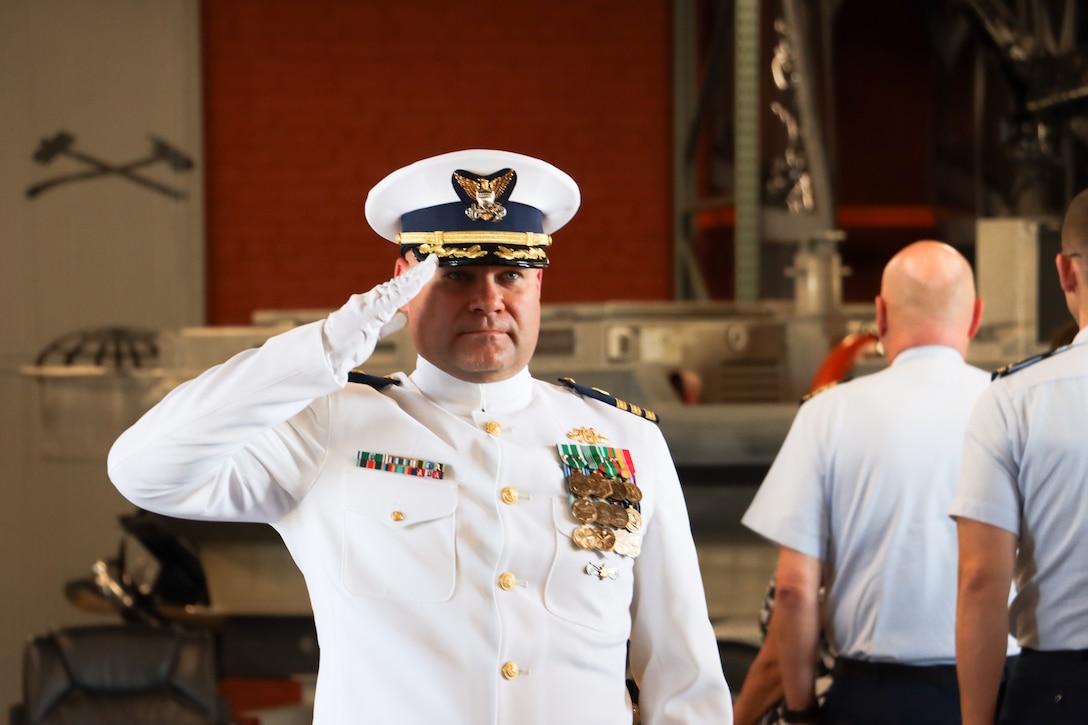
[[479, 546], [1022, 514], [857, 501]]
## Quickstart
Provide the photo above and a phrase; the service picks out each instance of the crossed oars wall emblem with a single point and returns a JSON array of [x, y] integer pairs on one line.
[[63, 144]]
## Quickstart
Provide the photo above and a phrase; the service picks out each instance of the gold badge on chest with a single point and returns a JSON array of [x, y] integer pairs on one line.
[[587, 435]]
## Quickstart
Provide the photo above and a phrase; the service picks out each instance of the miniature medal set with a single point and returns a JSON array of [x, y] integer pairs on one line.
[[604, 498]]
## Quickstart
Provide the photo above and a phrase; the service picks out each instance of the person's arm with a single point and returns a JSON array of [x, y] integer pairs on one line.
[[986, 558], [762, 688], [242, 441], [797, 611]]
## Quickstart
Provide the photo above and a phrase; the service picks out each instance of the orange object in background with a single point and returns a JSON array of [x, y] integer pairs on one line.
[[249, 694], [840, 360]]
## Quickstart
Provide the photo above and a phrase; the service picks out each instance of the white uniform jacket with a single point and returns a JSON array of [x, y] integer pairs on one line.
[[452, 600]]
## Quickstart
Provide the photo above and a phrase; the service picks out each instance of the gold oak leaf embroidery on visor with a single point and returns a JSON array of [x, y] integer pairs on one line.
[[473, 252]]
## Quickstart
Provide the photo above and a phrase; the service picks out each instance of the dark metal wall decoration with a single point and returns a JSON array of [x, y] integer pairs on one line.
[[116, 348], [63, 144]]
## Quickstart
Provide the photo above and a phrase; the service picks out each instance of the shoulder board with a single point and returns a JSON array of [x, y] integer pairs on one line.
[[605, 397], [374, 381], [1021, 364], [813, 393]]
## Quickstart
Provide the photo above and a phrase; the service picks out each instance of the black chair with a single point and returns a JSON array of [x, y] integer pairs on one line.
[[120, 675]]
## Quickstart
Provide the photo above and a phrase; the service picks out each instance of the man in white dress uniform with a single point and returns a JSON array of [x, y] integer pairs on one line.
[[479, 546]]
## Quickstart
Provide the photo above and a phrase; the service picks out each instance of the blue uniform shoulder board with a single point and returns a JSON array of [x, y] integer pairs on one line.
[[598, 394], [1021, 364], [375, 381], [813, 393]]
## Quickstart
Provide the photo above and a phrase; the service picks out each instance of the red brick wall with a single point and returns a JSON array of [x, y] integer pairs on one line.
[[309, 104]]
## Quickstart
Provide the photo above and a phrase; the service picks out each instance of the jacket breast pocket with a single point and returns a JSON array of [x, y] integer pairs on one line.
[[578, 591], [399, 536]]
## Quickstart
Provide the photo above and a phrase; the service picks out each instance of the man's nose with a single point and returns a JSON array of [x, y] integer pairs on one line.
[[487, 296]]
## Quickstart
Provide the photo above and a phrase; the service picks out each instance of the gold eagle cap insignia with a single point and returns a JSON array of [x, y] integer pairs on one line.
[[485, 192], [474, 187]]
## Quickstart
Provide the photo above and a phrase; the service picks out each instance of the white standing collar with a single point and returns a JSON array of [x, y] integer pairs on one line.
[[463, 398]]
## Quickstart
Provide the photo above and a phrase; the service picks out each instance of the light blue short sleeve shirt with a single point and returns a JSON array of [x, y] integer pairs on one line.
[[863, 482], [1025, 470]]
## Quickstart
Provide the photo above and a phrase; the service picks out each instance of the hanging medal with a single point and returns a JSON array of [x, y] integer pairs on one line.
[[604, 498]]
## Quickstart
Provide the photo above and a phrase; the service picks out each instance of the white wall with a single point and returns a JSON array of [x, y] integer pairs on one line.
[[93, 253]]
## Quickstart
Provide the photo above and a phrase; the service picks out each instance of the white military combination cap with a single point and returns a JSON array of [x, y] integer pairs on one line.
[[474, 207]]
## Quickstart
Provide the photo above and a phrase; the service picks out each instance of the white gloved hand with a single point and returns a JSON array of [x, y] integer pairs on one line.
[[352, 332]]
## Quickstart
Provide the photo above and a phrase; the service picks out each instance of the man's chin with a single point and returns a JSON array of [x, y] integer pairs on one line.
[[488, 368]]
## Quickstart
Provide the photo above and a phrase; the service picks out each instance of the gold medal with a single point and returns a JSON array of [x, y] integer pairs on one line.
[[606, 538], [619, 491], [584, 537], [634, 520], [585, 511], [619, 516], [602, 487], [579, 484], [634, 495]]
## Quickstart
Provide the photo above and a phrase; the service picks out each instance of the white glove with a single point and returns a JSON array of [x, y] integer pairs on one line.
[[352, 332]]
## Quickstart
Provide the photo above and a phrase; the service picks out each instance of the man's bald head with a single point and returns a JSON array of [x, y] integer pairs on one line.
[[927, 297]]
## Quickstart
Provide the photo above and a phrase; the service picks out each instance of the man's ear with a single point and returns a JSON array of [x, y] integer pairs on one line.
[[976, 318], [401, 266], [1067, 273], [881, 317]]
